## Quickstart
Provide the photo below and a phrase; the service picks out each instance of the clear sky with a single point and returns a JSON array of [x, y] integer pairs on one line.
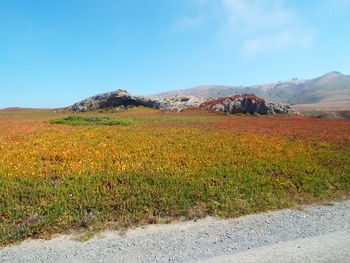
[[56, 52]]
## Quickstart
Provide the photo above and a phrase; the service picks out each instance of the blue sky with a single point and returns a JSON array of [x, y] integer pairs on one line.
[[56, 52]]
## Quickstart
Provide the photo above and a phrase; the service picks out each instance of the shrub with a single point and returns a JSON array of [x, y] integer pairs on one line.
[[82, 121]]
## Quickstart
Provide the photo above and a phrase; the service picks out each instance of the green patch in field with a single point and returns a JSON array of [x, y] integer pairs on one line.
[[83, 121]]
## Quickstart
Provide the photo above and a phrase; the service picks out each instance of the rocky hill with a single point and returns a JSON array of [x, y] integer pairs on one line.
[[332, 86], [123, 98], [247, 103]]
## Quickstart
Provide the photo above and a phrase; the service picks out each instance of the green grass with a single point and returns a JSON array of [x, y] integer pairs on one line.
[[87, 120]]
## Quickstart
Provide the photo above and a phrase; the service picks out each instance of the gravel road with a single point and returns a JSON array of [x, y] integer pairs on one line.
[[313, 234]]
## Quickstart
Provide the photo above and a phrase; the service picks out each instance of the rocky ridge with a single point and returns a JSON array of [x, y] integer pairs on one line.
[[247, 103], [123, 98]]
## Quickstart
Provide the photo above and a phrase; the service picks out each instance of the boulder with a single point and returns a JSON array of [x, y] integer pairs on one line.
[[246, 103]]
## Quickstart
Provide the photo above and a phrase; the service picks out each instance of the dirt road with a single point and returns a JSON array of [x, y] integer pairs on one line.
[[312, 234]]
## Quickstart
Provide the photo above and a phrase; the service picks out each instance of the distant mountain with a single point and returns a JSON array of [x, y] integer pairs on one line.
[[14, 109], [332, 86]]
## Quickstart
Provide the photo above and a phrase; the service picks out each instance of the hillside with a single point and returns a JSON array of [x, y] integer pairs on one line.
[[331, 88]]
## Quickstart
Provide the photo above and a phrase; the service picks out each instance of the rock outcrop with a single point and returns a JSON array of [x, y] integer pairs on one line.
[[247, 103], [178, 103], [123, 98], [110, 99]]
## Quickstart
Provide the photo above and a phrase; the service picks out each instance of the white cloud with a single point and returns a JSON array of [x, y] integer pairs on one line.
[[257, 26], [265, 26], [252, 15], [276, 42]]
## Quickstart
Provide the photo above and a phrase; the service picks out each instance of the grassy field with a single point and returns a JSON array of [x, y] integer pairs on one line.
[[161, 167]]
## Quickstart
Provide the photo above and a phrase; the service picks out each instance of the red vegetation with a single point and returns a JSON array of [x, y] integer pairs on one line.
[[286, 126], [300, 126], [210, 103]]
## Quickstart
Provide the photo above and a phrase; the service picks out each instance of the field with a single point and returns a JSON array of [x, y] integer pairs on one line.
[[338, 108], [161, 167]]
